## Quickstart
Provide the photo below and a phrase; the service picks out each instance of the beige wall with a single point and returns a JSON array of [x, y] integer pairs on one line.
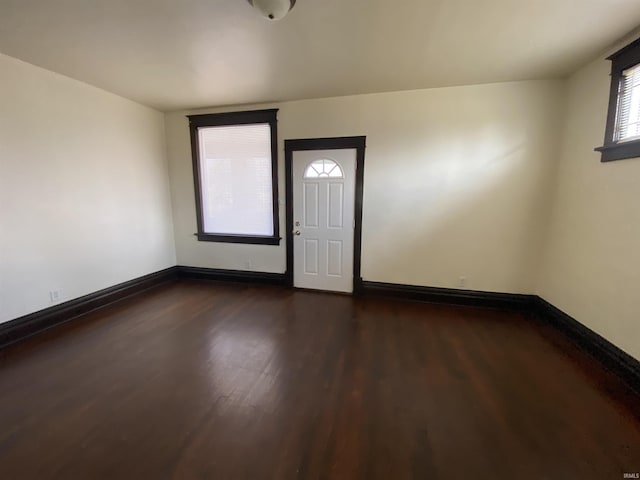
[[591, 267], [459, 181], [84, 191], [456, 182]]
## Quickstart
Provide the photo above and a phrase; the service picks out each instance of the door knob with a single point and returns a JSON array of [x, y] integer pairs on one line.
[[297, 233]]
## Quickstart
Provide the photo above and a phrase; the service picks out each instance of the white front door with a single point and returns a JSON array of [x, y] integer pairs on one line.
[[323, 219]]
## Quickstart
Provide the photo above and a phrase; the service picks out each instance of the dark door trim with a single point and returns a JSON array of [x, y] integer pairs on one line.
[[339, 143]]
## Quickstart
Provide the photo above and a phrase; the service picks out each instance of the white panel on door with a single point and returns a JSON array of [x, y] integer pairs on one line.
[[336, 205], [311, 205], [334, 258], [311, 257]]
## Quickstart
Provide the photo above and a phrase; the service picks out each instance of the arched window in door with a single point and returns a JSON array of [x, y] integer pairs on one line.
[[324, 168]]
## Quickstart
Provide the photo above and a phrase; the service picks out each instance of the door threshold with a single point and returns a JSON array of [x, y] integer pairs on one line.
[[316, 290]]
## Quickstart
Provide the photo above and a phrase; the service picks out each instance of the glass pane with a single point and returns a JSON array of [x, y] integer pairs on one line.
[[628, 117], [235, 171], [323, 168]]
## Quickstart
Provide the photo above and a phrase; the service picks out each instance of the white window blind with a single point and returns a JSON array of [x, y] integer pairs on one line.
[[236, 179], [628, 116]]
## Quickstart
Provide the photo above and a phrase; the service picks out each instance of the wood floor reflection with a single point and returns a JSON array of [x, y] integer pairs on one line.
[[203, 380]]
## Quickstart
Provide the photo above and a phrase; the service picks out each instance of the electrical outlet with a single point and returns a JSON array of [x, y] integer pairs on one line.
[[462, 282], [55, 296]]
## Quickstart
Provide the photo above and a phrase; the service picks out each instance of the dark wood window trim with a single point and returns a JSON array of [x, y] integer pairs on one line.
[[337, 143], [612, 150], [236, 118]]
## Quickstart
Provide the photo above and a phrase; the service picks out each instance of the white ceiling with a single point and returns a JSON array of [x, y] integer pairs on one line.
[[173, 54]]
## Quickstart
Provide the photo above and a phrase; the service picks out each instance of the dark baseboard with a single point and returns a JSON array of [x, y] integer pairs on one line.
[[33, 323], [235, 276], [611, 357], [447, 296], [623, 365]]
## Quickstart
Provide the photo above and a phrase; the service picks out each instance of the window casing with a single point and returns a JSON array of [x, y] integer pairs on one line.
[[235, 171], [622, 134]]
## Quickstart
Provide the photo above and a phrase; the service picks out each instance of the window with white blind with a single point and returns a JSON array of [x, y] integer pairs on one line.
[[235, 172], [628, 115], [622, 135]]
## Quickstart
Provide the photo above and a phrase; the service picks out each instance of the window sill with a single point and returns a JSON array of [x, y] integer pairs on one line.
[[247, 239], [619, 151]]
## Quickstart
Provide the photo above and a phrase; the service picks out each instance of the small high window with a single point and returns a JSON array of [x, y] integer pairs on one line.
[[622, 135], [323, 169], [628, 118], [235, 170]]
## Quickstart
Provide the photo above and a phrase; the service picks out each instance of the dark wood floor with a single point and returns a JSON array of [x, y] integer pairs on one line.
[[204, 380]]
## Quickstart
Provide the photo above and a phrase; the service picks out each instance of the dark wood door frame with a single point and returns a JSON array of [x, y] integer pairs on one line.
[[338, 143]]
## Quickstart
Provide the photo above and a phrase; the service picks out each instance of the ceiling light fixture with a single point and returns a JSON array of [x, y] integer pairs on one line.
[[273, 9]]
